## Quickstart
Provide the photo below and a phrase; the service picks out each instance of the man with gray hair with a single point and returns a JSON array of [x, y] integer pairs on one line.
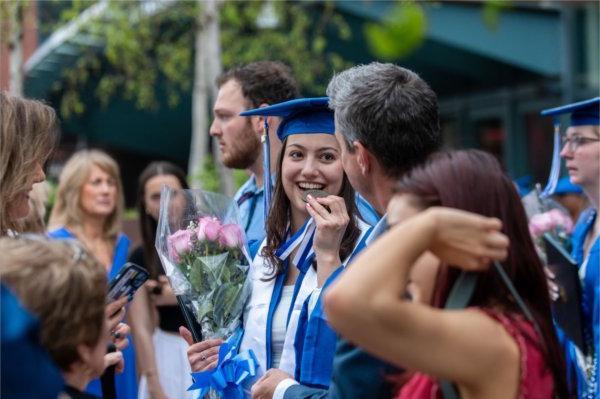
[[386, 123]]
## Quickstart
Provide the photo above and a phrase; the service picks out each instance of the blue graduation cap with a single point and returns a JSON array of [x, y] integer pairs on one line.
[[300, 116], [582, 113]]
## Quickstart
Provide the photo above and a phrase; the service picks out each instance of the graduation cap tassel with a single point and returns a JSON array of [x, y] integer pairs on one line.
[[266, 169], [555, 168], [299, 116]]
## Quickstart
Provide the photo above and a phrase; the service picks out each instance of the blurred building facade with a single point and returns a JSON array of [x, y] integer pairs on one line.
[[492, 81]]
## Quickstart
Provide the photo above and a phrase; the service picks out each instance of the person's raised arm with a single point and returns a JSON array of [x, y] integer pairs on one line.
[[142, 327], [366, 304]]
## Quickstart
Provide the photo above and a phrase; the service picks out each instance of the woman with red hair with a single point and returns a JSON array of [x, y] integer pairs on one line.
[[500, 342]]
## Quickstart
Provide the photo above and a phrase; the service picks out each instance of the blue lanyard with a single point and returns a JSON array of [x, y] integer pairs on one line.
[[275, 299], [361, 245], [248, 195], [304, 262]]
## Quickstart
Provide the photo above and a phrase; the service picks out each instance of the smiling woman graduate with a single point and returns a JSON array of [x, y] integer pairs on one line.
[[310, 228]]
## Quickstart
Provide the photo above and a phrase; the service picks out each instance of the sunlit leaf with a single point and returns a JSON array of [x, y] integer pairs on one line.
[[401, 32]]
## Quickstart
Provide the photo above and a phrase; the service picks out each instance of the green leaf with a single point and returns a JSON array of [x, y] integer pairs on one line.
[[401, 32], [492, 10]]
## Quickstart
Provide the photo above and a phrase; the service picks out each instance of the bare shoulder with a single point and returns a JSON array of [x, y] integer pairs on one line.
[[495, 349]]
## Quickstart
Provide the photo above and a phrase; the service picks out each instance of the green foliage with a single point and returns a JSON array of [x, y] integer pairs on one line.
[[402, 31], [207, 177], [76, 7], [298, 39], [239, 177], [139, 50], [131, 214], [10, 12], [49, 204], [492, 10]]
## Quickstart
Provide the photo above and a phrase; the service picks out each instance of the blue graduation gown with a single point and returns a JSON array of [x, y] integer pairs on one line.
[[259, 310], [316, 341], [589, 273], [27, 370], [126, 382]]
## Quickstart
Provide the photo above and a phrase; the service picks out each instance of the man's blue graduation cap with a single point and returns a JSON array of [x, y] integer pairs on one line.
[[582, 113], [300, 116]]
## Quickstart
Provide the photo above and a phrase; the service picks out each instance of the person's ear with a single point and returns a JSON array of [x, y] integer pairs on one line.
[[364, 158], [84, 352], [258, 122]]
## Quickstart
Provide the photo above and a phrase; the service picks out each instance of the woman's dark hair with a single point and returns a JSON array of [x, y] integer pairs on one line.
[[147, 223], [279, 216], [474, 181]]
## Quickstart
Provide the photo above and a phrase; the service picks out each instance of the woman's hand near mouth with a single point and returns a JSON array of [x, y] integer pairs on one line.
[[331, 226]]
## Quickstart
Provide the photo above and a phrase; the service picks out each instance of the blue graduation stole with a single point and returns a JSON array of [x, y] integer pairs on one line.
[[316, 341], [303, 240]]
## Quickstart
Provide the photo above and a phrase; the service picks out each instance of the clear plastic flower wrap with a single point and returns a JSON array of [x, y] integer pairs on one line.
[[202, 248], [547, 216]]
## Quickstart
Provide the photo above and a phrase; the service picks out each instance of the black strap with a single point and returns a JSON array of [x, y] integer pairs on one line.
[[462, 291], [190, 320], [107, 380], [459, 298]]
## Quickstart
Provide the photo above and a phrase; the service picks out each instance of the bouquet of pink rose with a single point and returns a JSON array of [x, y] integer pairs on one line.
[[201, 246], [552, 220], [547, 216]]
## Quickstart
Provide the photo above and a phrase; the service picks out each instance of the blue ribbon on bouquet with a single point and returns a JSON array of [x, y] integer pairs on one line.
[[226, 379]]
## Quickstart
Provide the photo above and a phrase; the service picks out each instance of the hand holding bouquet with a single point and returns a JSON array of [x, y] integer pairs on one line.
[[201, 246]]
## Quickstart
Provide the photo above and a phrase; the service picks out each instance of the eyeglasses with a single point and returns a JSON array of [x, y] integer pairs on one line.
[[574, 142]]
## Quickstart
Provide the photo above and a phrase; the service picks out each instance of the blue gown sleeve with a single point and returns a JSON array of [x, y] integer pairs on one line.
[[356, 375]]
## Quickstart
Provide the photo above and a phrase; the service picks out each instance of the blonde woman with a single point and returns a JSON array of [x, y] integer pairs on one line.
[[28, 134], [89, 207], [74, 328]]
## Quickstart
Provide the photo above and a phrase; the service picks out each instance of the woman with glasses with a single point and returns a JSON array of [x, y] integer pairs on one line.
[[581, 152]]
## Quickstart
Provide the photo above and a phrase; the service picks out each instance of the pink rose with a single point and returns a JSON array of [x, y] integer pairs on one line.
[[560, 219], [208, 229], [231, 236], [544, 222], [179, 243]]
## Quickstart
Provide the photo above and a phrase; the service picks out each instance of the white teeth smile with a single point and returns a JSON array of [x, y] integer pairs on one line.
[[311, 186]]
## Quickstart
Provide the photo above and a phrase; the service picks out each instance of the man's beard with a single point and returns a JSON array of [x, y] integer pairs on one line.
[[245, 152]]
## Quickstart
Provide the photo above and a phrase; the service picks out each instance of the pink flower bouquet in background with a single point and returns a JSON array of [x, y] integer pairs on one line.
[[547, 216], [549, 221], [202, 248]]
